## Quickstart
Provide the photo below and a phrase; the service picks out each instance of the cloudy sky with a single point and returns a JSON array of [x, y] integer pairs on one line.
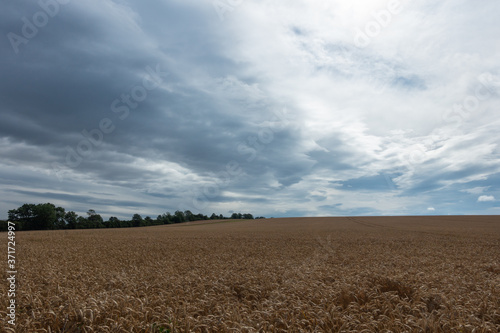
[[281, 108]]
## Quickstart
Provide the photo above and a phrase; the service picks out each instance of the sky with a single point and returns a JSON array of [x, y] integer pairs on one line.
[[282, 108]]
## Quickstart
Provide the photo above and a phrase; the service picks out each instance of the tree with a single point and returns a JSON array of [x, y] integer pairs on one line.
[[114, 222], [148, 221], [81, 222], [125, 224], [24, 213], [165, 218], [200, 216], [189, 216], [137, 220], [94, 220], [48, 216], [60, 222], [71, 219], [179, 217], [24, 216], [44, 217]]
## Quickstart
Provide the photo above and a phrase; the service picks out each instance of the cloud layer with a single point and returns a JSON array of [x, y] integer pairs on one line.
[[283, 109]]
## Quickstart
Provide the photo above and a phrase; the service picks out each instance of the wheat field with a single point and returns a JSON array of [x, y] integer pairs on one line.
[[363, 274]]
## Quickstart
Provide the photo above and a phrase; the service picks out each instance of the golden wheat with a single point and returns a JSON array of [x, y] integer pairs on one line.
[[413, 274]]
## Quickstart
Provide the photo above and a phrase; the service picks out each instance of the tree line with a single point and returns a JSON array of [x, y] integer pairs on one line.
[[49, 217]]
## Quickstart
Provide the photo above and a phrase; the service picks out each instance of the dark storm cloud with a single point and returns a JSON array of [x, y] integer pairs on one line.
[[64, 81], [79, 69]]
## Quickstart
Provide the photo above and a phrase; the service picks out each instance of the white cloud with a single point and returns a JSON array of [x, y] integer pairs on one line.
[[431, 209], [486, 198], [476, 190]]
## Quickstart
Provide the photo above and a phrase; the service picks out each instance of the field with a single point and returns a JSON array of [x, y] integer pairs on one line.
[[363, 274]]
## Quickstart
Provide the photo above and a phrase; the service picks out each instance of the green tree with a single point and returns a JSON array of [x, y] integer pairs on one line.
[[179, 217], [114, 222], [60, 222], [126, 224], [165, 218], [23, 215], [44, 217], [137, 220], [71, 219], [189, 216], [94, 220], [148, 221], [82, 223]]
